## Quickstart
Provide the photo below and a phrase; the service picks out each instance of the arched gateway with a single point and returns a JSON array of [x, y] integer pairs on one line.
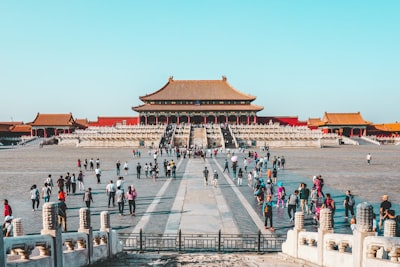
[[198, 102]]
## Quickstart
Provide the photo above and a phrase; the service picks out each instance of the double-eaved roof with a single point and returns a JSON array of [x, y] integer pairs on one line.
[[197, 91]]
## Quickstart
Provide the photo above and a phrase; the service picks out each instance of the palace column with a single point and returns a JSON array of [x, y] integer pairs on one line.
[[351, 132], [188, 116], [248, 120], [237, 119], [226, 118], [205, 119], [215, 119], [145, 120], [44, 133], [167, 119], [156, 118]]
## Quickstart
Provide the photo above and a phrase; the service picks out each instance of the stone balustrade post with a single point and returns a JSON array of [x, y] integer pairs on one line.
[[365, 213], [18, 229], [86, 227], [3, 256], [299, 220], [325, 227], [106, 226], [389, 228], [52, 228]]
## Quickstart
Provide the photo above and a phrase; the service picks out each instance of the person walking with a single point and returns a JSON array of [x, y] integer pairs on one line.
[[91, 164], [67, 182], [126, 167], [73, 183], [369, 158], [120, 200], [383, 208], [304, 196], [118, 167], [46, 192], [348, 204], [138, 170], [205, 175], [329, 203], [81, 184], [226, 166], [215, 178], [292, 203], [97, 172], [110, 192], [62, 215], [8, 228], [35, 197], [131, 197], [7, 208], [267, 212], [87, 197], [281, 195], [240, 177], [60, 183]]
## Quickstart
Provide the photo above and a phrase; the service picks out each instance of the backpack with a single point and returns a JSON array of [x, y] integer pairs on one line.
[[351, 201], [266, 208]]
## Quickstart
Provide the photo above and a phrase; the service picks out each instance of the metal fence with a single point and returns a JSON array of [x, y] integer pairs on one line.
[[150, 242]]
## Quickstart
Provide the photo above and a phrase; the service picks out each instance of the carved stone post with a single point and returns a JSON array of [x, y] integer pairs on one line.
[[325, 227], [365, 214], [86, 227], [390, 228], [51, 227], [106, 226], [18, 228], [298, 227]]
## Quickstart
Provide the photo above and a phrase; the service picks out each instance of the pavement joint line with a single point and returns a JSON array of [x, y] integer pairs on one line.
[[146, 216], [254, 216]]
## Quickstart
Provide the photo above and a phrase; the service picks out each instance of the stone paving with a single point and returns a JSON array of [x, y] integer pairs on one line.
[[184, 202]]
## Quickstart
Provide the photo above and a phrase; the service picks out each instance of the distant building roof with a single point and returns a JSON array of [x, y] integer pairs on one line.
[[197, 90], [314, 122], [21, 128], [343, 119], [53, 120], [387, 127]]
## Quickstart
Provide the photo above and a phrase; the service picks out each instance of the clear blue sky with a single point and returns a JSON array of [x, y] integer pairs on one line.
[[300, 58]]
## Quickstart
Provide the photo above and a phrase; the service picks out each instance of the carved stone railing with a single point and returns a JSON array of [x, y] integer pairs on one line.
[[54, 248]]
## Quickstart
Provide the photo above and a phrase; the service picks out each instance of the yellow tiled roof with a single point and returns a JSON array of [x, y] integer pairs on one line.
[[344, 119], [197, 90]]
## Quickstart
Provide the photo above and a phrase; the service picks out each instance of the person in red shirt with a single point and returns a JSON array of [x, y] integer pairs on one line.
[[7, 208]]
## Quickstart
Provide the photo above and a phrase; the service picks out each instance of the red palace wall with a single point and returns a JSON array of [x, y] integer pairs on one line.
[[113, 121]]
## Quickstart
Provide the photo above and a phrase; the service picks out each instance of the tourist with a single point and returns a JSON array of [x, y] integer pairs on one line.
[[274, 175], [35, 197], [226, 166], [61, 195], [67, 183], [126, 167], [79, 164], [250, 179], [85, 164], [269, 188], [385, 206], [46, 192], [267, 212], [49, 181], [281, 195], [119, 194], [215, 178], [245, 163], [283, 161], [369, 157], [240, 177], [353, 225], [292, 203], [348, 204], [138, 170], [304, 195], [8, 228], [91, 164], [87, 197], [7, 208], [118, 167], [60, 183], [97, 163], [131, 196], [97, 172], [329, 203], [146, 170], [110, 192], [205, 175], [121, 183], [73, 183], [62, 214], [81, 183]]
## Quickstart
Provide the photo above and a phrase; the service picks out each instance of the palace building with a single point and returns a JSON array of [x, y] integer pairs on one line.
[[197, 102]]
